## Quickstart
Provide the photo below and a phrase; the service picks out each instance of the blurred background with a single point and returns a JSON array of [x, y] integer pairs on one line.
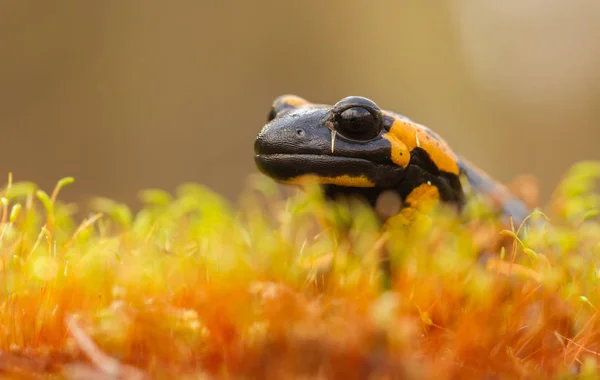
[[126, 95]]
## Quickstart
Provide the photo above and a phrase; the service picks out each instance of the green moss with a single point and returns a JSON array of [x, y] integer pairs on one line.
[[286, 286]]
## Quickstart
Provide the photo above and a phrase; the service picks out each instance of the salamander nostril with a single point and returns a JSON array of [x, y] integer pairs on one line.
[[300, 132]]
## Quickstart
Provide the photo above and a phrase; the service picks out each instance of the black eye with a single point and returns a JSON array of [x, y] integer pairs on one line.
[[272, 115], [357, 118]]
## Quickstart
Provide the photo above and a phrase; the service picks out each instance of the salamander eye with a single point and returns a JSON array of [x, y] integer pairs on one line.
[[357, 123], [357, 118]]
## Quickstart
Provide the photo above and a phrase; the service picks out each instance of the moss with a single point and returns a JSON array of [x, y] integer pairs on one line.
[[279, 286]]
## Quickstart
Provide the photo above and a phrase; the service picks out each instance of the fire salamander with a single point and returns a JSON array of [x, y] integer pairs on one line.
[[356, 148]]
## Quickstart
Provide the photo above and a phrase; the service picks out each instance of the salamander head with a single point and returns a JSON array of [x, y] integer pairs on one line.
[[341, 145]]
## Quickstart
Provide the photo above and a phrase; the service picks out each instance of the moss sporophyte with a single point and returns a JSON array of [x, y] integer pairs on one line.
[[278, 285]]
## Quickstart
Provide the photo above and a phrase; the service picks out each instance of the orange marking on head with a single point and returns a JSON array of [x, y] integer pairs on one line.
[[342, 180], [414, 135], [400, 153], [292, 101]]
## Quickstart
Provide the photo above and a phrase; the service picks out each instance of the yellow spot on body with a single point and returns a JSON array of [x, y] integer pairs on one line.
[[342, 180], [419, 203], [408, 135], [423, 196]]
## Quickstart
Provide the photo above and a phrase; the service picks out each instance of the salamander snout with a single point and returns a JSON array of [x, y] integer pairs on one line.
[[298, 131]]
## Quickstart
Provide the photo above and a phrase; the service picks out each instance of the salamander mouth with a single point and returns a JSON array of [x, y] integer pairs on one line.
[[283, 157], [286, 167]]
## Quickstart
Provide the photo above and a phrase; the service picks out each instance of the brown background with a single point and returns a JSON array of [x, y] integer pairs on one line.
[[125, 95]]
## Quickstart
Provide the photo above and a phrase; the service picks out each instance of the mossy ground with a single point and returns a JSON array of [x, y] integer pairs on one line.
[[292, 287]]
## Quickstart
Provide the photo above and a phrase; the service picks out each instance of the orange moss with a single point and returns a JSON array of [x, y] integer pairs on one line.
[[293, 287]]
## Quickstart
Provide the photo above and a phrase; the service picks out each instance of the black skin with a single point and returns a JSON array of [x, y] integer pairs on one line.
[[297, 141]]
